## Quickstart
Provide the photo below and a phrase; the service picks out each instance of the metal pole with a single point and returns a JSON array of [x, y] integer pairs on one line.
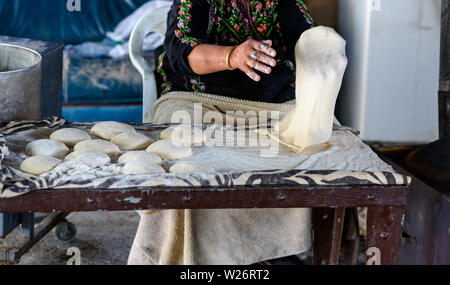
[[444, 80]]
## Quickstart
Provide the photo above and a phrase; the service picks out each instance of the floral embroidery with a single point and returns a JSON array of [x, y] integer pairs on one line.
[[195, 84], [302, 6], [183, 24], [167, 85]]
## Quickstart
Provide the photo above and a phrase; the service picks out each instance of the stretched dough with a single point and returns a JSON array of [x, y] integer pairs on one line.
[[184, 133], [131, 141], [70, 137], [142, 167], [38, 165], [140, 155], [166, 149], [46, 148], [98, 145], [321, 63], [92, 159], [108, 130], [188, 167]]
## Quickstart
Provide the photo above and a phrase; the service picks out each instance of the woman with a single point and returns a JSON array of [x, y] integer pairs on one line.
[[236, 49]]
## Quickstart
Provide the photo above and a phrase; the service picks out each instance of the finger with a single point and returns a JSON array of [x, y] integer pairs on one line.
[[268, 43], [262, 67], [267, 60], [251, 73], [260, 46]]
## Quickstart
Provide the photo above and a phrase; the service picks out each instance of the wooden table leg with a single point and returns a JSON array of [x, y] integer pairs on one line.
[[384, 234], [327, 224]]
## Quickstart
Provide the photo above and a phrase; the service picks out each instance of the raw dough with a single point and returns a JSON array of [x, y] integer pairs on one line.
[[184, 133], [142, 156], [167, 150], [46, 148], [98, 145], [187, 167], [321, 63], [70, 137], [131, 141], [38, 165], [108, 130], [142, 167], [92, 159]]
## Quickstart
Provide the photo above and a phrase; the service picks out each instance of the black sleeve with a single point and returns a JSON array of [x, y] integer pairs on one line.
[[187, 26], [295, 18]]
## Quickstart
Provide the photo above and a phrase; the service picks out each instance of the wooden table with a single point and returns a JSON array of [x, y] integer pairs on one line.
[[384, 222]]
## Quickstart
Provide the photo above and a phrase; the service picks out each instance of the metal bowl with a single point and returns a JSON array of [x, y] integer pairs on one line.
[[20, 83]]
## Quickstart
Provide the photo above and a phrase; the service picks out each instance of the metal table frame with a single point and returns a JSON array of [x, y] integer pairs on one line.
[[384, 222]]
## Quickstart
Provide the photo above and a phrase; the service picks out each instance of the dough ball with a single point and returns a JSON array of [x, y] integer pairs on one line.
[[168, 151], [38, 165], [131, 141], [142, 167], [184, 133], [108, 130], [98, 145], [70, 137], [92, 159], [187, 167], [142, 156], [46, 148]]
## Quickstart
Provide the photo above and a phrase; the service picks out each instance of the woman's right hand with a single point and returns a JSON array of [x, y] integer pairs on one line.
[[254, 55]]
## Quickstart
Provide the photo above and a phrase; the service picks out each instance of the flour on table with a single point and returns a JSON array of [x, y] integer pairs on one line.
[[46, 148], [189, 167], [70, 137], [108, 130], [92, 159]]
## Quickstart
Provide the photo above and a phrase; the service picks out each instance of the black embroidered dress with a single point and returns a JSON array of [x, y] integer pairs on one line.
[[229, 23]]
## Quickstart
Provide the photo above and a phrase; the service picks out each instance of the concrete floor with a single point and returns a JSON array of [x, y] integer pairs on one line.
[[103, 239]]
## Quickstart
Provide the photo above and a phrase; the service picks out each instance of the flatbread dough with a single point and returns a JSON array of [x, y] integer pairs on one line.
[[70, 137], [38, 165], [92, 159], [188, 167], [185, 134], [98, 145], [321, 63], [47, 148], [142, 156], [108, 130], [131, 141], [166, 149], [142, 167]]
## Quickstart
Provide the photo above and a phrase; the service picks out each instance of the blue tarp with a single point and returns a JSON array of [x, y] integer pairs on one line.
[[50, 20]]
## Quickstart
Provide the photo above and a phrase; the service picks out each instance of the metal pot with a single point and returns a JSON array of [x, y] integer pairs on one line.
[[20, 83]]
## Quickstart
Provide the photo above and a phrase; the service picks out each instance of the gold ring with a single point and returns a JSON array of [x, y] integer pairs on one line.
[[250, 63]]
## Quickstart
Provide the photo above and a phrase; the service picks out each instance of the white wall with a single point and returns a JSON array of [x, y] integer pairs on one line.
[[390, 89]]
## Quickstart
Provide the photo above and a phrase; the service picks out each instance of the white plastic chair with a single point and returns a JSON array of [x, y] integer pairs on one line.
[[154, 21]]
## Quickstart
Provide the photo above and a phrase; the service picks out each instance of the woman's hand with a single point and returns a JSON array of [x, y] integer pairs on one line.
[[254, 55]]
